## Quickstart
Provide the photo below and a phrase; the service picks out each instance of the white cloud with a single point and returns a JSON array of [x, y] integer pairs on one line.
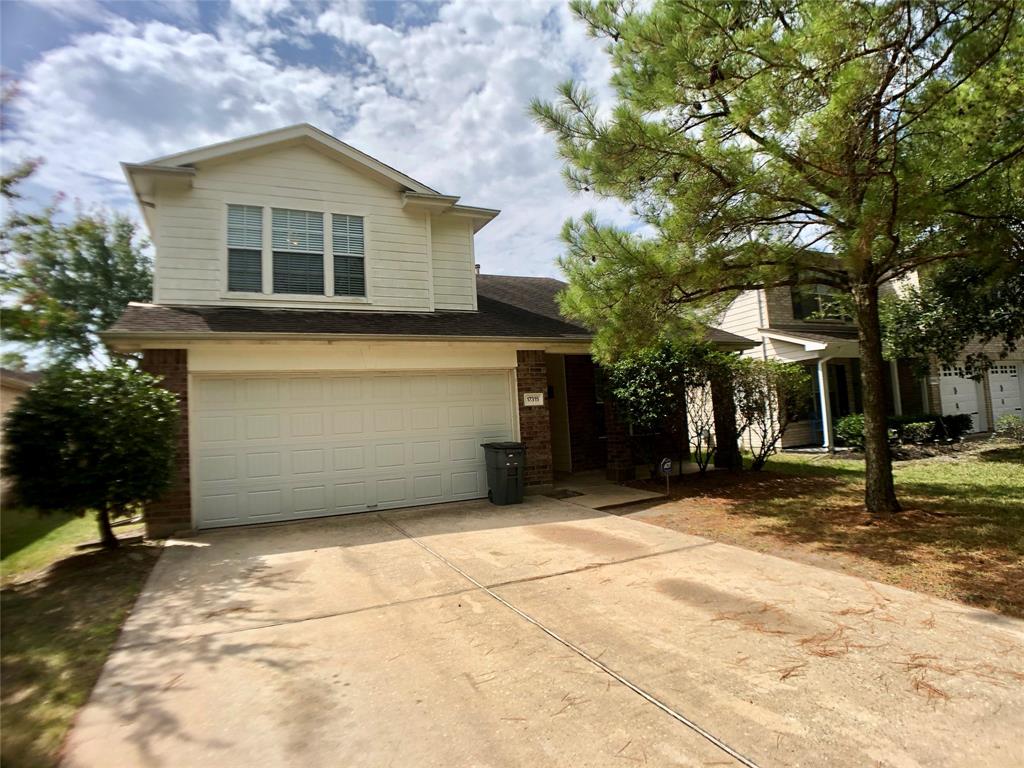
[[442, 96]]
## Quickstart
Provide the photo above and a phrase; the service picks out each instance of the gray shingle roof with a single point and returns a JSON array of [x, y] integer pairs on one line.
[[508, 307]]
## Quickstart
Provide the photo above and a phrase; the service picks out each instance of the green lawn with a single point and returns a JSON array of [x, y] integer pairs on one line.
[[30, 542], [62, 610], [960, 536]]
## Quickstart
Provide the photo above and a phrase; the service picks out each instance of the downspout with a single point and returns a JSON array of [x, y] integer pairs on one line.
[[826, 405]]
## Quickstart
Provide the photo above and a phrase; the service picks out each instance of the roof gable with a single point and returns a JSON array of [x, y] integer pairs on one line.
[[302, 133]]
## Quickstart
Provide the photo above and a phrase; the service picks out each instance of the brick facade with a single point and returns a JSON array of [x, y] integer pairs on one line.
[[534, 420], [585, 427], [173, 511]]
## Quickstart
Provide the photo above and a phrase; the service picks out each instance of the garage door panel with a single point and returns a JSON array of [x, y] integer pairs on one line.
[[347, 422], [1005, 389], [262, 426], [387, 389], [427, 452], [267, 449], [427, 488], [308, 461], [215, 392], [466, 484], [219, 468], [458, 386], [259, 392], [263, 465], [348, 389], [309, 498], [424, 418], [461, 416], [391, 490], [389, 455], [306, 391], [264, 503], [423, 387], [388, 420]]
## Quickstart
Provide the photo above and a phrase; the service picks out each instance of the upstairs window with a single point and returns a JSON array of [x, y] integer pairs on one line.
[[298, 251], [348, 247], [817, 302], [245, 248]]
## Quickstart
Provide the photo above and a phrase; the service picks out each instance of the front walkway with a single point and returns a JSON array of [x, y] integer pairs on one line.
[[593, 491], [542, 634]]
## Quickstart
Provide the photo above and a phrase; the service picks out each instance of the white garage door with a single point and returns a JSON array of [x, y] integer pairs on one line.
[[269, 448], [1004, 383], [960, 395]]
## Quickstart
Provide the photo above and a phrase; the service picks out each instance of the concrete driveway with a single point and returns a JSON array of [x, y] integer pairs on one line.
[[543, 634]]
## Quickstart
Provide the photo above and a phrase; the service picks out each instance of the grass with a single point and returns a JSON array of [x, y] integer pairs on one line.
[[30, 541], [62, 610], [960, 536]]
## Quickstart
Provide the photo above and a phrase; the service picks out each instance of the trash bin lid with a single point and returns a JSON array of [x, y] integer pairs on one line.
[[504, 446]]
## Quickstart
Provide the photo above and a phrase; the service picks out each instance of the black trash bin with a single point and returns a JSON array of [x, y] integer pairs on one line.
[[506, 464]]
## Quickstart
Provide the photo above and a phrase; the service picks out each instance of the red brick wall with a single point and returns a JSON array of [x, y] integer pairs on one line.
[[588, 449], [534, 420], [173, 511]]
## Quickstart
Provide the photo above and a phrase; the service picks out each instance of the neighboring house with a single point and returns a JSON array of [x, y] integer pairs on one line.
[[803, 325], [320, 316], [14, 384]]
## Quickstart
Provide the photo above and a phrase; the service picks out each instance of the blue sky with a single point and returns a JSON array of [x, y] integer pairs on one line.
[[437, 90]]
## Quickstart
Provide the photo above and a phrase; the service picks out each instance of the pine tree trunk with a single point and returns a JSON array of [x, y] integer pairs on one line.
[[879, 490], [107, 537]]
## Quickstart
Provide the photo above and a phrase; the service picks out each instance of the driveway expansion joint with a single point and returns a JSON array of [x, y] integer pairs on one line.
[[649, 697]]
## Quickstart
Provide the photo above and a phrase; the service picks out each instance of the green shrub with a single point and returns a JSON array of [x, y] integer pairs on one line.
[[849, 431], [1011, 427], [917, 431], [953, 427], [91, 440]]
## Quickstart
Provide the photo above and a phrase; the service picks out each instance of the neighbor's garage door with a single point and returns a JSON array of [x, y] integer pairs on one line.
[[269, 448], [1005, 385], [960, 395]]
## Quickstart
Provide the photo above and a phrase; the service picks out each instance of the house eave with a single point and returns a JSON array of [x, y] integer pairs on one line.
[[130, 341]]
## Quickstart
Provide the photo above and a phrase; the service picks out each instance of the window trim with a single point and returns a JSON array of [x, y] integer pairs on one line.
[[267, 203], [228, 247]]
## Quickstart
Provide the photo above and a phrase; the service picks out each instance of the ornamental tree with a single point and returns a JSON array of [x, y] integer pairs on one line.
[[99, 440], [789, 143], [770, 395], [668, 386]]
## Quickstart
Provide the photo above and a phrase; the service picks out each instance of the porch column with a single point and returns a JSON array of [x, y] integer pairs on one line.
[[172, 512], [534, 420], [826, 405], [897, 398], [723, 401]]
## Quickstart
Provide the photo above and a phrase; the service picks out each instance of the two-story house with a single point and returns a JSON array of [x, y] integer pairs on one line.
[[804, 325], [320, 315]]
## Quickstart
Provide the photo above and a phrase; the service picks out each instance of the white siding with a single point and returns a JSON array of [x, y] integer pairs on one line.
[[190, 230], [743, 318], [454, 274]]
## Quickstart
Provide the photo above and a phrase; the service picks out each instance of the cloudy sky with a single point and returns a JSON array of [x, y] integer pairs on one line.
[[437, 90]]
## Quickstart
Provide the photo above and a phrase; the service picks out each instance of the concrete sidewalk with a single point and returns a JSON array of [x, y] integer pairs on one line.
[[542, 634]]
